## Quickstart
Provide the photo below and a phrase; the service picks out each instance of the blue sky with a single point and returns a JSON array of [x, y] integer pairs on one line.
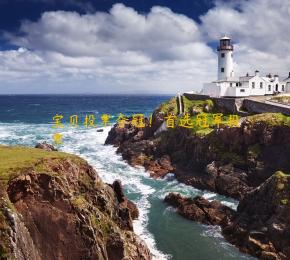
[[13, 11], [135, 46]]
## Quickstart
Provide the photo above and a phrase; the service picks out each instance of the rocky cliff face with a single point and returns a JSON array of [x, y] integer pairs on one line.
[[261, 224], [239, 162], [58, 208], [229, 161]]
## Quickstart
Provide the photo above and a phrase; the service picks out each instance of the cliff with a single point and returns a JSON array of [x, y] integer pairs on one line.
[[238, 162], [227, 160], [261, 224], [55, 206]]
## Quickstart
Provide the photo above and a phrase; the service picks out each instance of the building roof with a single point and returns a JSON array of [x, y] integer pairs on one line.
[[231, 79], [246, 78], [267, 79]]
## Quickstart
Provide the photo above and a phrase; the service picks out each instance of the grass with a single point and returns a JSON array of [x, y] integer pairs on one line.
[[169, 107], [204, 131], [281, 175], [282, 180], [197, 105], [284, 201], [282, 99], [17, 157], [198, 127], [270, 119]]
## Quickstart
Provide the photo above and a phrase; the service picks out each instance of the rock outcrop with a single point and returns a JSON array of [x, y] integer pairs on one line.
[[45, 146], [229, 161], [200, 210], [261, 224], [238, 162], [58, 208]]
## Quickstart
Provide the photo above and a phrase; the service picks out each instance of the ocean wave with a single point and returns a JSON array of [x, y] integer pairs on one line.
[[89, 144]]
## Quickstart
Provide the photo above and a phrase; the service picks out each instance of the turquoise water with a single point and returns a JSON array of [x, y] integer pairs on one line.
[[168, 235]]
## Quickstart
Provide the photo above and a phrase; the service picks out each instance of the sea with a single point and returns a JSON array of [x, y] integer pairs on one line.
[[30, 119]]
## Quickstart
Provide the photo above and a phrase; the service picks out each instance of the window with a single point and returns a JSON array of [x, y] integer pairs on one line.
[[283, 88], [231, 84], [269, 87], [240, 84], [242, 90], [222, 69], [261, 84], [222, 55], [237, 84], [253, 84]]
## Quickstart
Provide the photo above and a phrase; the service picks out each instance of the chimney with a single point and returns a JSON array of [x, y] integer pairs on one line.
[[276, 76], [247, 75], [257, 73], [269, 75]]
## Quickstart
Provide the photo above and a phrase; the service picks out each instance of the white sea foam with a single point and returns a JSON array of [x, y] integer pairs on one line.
[[88, 143]]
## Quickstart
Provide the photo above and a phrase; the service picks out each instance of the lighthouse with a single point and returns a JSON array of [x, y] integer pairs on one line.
[[225, 59], [229, 85]]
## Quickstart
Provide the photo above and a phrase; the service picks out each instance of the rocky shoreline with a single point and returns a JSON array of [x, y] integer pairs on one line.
[[232, 161], [259, 227], [55, 206]]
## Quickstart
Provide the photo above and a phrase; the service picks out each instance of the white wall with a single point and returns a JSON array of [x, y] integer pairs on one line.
[[269, 92], [211, 89], [257, 90], [226, 63]]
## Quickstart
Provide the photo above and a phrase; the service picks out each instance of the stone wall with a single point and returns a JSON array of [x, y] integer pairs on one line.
[[196, 96], [233, 105], [224, 105], [253, 106]]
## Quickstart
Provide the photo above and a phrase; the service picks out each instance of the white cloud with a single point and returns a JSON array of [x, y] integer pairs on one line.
[[159, 52], [260, 29]]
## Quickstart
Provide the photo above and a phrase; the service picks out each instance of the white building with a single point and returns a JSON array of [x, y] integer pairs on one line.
[[287, 83], [230, 86]]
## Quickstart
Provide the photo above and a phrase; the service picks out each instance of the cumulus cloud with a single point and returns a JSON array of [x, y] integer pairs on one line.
[[158, 52], [260, 30]]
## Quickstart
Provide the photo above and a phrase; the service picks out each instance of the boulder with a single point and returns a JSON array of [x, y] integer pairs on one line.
[[45, 146]]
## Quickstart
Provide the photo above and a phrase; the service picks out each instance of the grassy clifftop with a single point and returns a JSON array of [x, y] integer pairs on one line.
[[15, 158], [53, 203]]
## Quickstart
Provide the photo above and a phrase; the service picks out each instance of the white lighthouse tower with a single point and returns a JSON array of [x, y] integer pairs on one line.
[[225, 59]]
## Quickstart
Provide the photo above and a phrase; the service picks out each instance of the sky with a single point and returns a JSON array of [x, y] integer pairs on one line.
[[135, 46]]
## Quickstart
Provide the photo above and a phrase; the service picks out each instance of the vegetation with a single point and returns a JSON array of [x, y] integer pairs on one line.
[[254, 150], [169, 107], [281, 99], [270, 119], [284, 201], [282, 180], [207, 109], [280, 174], [197, 106], [231, 157], [17, 157]]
